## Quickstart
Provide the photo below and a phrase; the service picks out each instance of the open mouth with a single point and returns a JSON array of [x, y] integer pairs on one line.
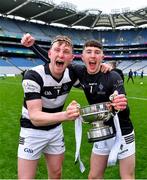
[[59, 63], [92, 64]]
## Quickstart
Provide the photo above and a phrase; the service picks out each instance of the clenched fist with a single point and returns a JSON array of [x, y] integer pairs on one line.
[[72, 110], [27, 40]]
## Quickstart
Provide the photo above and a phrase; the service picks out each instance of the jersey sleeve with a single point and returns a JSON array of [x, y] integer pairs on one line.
[[77, 84], [117, 83], [40, 52], [32, 85], [120, 72], [76, 69]]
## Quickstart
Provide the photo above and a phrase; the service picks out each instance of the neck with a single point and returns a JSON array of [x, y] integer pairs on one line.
[[55, 75], [95, 72]]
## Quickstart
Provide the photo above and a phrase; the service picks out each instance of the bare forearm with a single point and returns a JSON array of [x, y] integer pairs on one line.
[[39, 118]]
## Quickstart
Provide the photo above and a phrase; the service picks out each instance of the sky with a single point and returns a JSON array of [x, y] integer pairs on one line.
[[107, 6]]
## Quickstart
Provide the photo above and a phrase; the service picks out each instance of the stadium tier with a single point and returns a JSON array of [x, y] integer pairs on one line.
[[128, 47]]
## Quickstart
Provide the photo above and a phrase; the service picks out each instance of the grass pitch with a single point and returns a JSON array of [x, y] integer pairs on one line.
[[11, 98]]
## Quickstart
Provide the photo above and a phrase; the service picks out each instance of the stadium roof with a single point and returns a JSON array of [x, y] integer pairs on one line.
[[66, 14]]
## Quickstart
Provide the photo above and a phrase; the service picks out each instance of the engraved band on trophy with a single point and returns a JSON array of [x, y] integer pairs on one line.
[[96, 115]]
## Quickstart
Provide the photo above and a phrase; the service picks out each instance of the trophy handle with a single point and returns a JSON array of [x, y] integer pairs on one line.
[[85, 122]]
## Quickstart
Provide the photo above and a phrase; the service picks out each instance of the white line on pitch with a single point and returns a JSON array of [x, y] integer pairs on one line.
[[144, 99]]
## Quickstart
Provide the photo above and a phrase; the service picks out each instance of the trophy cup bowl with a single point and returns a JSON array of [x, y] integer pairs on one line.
[[96, 115]]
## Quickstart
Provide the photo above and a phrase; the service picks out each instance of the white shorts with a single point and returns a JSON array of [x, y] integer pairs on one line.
[[34, 142], [127, 147]]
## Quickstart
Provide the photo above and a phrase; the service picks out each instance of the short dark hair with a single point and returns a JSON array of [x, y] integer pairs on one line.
[[62, 39], [93, 43]]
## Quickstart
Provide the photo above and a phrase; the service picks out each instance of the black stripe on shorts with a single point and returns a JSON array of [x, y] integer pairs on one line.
[[129, 139], [21, 140]]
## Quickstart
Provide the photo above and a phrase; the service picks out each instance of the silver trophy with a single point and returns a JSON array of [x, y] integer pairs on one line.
[[96, 115]]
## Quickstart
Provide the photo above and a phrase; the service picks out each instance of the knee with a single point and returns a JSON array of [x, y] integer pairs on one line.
[[55, 174]]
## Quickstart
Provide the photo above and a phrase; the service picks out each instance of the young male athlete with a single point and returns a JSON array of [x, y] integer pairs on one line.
[[95, 89], [98, 87], [45, 90]]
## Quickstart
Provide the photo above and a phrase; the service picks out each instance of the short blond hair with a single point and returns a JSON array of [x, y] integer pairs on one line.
[[62, 39]]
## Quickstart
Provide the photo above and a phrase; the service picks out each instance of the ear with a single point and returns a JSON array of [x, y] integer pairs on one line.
[[49, 53], [103, 56], [82, 57], [72, 57]]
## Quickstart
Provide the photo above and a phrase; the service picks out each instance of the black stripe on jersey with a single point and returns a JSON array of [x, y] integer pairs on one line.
[[52, 92], [24, 103], [26, 123], [32, 95], [58, 109], [34, 76]]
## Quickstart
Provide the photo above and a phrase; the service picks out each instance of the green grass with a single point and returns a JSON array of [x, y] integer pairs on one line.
[[11, 97]]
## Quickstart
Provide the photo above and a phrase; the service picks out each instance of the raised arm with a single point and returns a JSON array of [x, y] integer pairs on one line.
[[29, 41]]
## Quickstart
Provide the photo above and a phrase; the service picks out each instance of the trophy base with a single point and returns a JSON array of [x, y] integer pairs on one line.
[[100, 134]]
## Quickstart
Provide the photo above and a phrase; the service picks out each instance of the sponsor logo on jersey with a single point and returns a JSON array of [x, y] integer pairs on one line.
[[47, 93], [96, 146], [30, 86]]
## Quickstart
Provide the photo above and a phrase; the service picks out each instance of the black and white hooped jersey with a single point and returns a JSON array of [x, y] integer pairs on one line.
[[98, 88], [38, 83]]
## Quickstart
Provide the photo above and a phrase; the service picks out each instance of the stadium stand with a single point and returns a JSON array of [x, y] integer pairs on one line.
[[127, 46]]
